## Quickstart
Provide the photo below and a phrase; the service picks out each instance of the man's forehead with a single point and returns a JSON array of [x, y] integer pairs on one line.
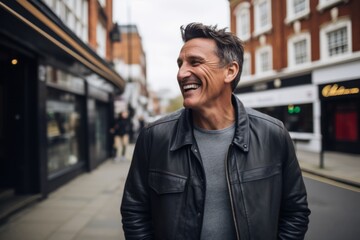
[[198, 47]]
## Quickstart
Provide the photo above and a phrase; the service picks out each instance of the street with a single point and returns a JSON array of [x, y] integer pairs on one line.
[[335, 210]]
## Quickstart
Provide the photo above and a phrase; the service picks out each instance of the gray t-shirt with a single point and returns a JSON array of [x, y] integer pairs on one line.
[[213, 146]]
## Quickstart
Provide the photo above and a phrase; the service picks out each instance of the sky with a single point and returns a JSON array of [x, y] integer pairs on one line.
[[158, 23]]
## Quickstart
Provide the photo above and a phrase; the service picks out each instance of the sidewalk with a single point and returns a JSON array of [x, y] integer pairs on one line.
[[87, 208], [340, 167]]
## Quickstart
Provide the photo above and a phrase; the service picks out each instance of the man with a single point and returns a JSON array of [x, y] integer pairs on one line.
[[214, 170]]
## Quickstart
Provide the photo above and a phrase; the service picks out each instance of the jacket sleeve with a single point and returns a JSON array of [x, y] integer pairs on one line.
[[135, 206], [294, 214]]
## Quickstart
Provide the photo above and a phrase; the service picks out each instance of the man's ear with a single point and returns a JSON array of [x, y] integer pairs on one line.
[[232, 71]]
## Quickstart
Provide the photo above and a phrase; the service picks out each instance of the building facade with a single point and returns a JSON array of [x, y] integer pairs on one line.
[[130, 62], [56, 94], [302, 66]]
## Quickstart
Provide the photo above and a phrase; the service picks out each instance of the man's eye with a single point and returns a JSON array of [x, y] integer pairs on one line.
[[195, 63]]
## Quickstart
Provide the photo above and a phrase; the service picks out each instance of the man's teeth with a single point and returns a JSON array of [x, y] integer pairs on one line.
[[191, 86]]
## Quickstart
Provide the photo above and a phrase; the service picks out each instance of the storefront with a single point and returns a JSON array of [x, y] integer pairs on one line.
[[56, 101], [340, 110], [293, 100]]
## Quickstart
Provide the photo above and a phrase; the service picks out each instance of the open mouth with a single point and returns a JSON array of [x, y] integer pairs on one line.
[[190, 87]]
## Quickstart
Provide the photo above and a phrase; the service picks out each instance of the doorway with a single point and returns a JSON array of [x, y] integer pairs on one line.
[[19, 167], [342, 125]]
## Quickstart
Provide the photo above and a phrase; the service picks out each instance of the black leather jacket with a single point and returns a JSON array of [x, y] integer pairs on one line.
[[165, 189]]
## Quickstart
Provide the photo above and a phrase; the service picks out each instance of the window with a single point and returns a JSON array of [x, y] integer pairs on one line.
[[299, 6], [327, 3], [263, 59], [300, 52], [296, 118], [101, 39], [262, 16], [243, 21], [102, 3], [64, 131], [246, 70], [336, 39], [296, 9], [299, 49], [74, 14]]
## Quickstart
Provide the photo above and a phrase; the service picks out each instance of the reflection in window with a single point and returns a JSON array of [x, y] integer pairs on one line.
[[101, 130], [63, 130]]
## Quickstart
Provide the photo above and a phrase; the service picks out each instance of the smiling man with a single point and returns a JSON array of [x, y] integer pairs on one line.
[[215, 169]]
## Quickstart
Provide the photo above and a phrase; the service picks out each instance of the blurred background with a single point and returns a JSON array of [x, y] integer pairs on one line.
[[68, 68]]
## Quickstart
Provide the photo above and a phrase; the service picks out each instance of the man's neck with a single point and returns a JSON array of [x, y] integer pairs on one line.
[[214, 118]]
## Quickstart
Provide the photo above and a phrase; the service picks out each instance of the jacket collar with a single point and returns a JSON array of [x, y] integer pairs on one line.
[[184, 132]]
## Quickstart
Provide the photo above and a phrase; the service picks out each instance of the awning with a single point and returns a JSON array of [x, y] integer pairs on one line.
[[34, 26]]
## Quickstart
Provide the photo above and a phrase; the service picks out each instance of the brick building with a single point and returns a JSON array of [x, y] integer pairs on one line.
[[130, 61], [302, 65], [56, 94]]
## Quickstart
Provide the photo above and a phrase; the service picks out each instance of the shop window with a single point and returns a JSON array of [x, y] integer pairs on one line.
[[346, 126], [243, 21], [101, 131], [296, 118], [63, 131]]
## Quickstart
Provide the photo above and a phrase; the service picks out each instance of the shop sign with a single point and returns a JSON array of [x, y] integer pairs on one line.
[[337, 90]]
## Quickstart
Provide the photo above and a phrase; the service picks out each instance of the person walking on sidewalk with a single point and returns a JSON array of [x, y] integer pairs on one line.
[[121, 132], [214, 169]]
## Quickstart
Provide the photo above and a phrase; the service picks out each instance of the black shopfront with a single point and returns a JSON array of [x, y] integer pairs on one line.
[[340, 116], [55, 104]]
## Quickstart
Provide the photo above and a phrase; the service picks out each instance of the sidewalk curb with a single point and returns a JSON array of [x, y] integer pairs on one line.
[[337, 179]]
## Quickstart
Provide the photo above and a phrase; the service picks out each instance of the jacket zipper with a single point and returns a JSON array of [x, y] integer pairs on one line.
[[230, 193]]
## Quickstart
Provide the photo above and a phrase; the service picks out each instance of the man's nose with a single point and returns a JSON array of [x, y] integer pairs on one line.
[[183, 72]]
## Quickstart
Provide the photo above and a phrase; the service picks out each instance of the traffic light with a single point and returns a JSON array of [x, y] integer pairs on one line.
[[292, 109]]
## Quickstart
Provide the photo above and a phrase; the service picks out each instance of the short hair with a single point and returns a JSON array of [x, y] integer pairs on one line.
[[229, 46]]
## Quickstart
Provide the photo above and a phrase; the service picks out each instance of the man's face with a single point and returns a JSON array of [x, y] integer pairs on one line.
[[200, 75]]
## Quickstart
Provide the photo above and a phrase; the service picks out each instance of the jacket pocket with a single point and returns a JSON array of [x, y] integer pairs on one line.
[[165, 183], [260, 173]]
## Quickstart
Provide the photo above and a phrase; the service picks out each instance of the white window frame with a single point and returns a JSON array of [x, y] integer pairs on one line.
[[291, 49], [324, 53], [74, 14], [323, 4], [246, 70], [258, 63], [258, 28], [291, 16], [102, 3], [101, 39], [243, 9]]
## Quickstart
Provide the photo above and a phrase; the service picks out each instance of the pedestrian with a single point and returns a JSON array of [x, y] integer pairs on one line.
[[214, 169], [121, 131]]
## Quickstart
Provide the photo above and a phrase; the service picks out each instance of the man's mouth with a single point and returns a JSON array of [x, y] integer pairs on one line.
[[189, 87]]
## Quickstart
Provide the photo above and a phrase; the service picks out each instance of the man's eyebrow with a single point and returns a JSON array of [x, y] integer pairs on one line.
[[196, 58], [190, 58]]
